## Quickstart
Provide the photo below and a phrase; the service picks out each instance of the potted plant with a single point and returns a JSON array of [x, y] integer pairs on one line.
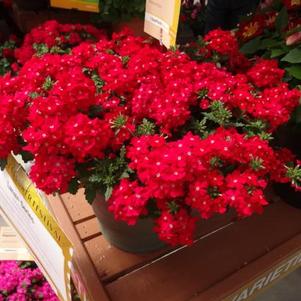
[[156, 139], [275, 32], [32, 4]]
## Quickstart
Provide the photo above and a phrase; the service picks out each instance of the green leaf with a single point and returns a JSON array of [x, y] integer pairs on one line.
[[294, 173], [202, 93], [90, 193], [173, 207], [125, 175], [281, 20], [73, 186], [108, 193], [3, 163], [146, 128], [33, 95], [48, 83], [294, 56], [40, 49], [99, 83], [26, 156], [297, 114], [294, 71], [277, 52], [125, 59], [251, 47], [269, 43], [219, 113], [256, 163], [95, 111]]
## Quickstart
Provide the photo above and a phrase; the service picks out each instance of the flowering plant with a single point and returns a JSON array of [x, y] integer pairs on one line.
[[53, 37], [23, 282], [275, 32], [159, 134], [193, 14]]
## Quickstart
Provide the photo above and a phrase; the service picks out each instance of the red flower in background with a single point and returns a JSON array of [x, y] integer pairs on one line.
[[293, 39], [270, 19], [266, 73], [292, 4], [252, 28], [222, 42]]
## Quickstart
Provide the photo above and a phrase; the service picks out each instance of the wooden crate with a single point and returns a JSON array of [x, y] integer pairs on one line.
[[230, 261]]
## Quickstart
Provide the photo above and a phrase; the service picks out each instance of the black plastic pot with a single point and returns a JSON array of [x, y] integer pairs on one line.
[[32, 4], [288, 194], [134, 239]]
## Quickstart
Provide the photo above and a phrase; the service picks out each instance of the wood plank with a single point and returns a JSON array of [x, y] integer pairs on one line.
[[111, 262], [82, 261], [261, 272], [88, 229], [194, 269], [77, 206]]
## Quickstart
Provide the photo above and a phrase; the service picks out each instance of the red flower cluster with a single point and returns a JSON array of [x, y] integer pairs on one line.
[[54, 37], [190, 171], [176, 228], [265, 73], [222, 42], [128, 201], [222, 46], [152, 125]]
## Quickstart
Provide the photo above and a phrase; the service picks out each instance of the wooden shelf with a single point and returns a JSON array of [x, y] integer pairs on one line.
[[225, 262]]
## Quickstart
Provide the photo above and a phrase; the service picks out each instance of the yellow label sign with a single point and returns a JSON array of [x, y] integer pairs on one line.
[[84, 5], [162, 20], [28, 214]]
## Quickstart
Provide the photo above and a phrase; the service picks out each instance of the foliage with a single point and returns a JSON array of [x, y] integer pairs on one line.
[[7, 56], [193, 14], [275, 32], [121, 10]]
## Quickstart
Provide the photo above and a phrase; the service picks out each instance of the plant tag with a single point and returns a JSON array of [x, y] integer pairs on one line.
[[162, 20]]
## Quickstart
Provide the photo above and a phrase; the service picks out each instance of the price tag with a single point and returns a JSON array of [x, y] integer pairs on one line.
[[25, 210], [11, 246], [162, 20], [84, 5]]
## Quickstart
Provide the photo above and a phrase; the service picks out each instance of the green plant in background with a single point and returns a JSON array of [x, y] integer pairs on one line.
[[7, 56], [121, 10], [193, 15], [275, 32]]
